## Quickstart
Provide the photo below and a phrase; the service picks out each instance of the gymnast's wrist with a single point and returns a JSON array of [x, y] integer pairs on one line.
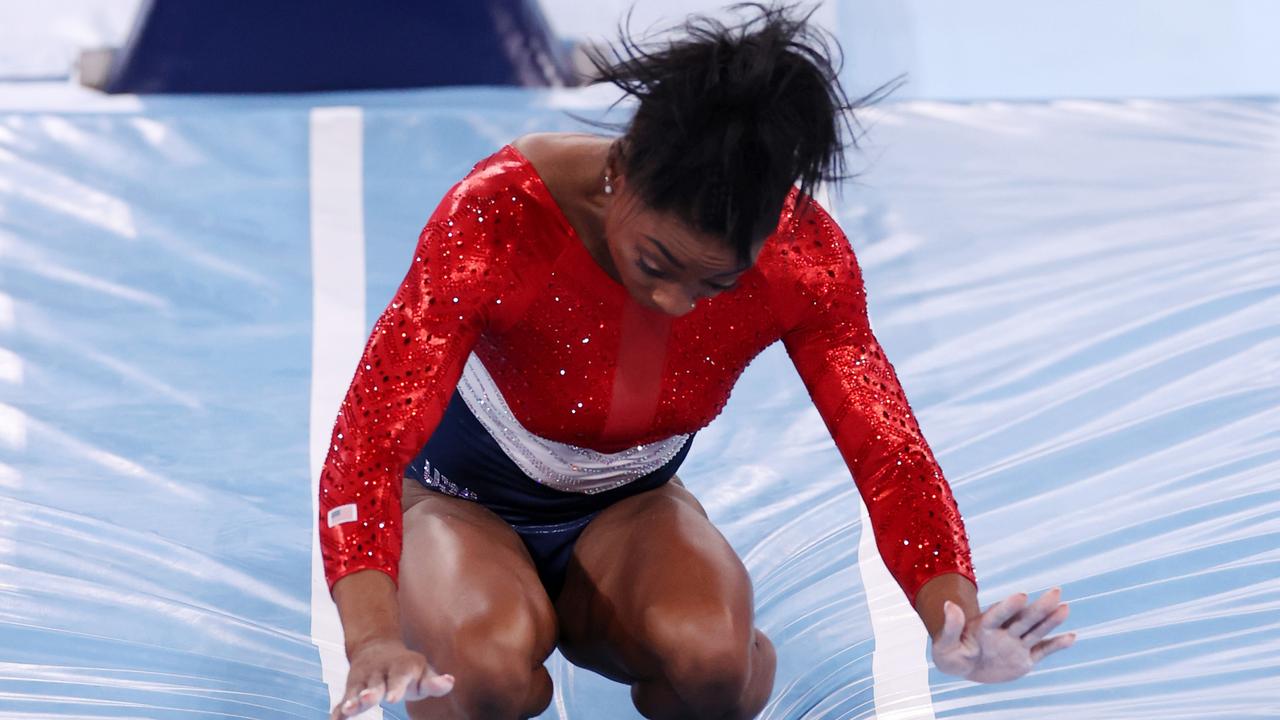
[[368, 608], [932, 596]]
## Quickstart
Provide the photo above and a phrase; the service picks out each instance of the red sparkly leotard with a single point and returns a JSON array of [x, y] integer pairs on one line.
[[500, 272]]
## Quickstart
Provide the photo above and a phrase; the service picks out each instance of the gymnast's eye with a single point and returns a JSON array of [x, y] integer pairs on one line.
[[654, 272]]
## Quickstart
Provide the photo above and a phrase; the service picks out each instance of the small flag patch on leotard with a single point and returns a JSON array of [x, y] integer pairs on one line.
[[342, 514]]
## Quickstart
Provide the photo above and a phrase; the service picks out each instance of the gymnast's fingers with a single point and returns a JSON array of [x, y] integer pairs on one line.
[[1000, 613], [1035, 612], [363, 692], [1052, 645], [1053, 620], [433, 685]]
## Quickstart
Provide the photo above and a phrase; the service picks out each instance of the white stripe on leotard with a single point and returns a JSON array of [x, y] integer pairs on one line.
[[559, 465]]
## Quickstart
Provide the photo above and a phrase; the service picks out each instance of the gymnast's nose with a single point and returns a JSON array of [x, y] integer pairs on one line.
[[674, 301]]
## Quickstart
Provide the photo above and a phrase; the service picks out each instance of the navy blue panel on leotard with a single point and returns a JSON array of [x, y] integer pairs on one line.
[[462, 459]]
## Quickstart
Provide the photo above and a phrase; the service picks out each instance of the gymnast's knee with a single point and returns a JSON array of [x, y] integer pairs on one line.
[[712, 664]]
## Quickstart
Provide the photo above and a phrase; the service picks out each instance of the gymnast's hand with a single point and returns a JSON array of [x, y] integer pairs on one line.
[[388, 668], [1004, 642]]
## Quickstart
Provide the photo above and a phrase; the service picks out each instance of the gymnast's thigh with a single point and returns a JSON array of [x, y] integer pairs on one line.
[[470, 598], [646, 565]]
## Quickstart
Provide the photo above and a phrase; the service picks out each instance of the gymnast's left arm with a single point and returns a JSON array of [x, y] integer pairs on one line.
[[916, 522]]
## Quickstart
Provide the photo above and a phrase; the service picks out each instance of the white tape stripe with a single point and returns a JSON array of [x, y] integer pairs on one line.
[[898, 665], [338, 334]]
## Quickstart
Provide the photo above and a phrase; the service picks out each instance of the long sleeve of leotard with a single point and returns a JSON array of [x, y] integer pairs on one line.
[[917, 526], [407, 373]]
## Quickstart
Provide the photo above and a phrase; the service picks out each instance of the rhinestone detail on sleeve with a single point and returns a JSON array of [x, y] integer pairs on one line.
[[408, 372], [917, 525]]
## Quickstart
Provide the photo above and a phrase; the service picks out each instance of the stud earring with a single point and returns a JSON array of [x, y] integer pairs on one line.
[[608, 186]]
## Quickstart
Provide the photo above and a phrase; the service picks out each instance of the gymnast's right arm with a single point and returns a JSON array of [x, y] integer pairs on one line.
[[408, 371]]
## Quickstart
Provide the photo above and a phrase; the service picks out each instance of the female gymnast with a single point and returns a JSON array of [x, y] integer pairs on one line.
[[502, 474]]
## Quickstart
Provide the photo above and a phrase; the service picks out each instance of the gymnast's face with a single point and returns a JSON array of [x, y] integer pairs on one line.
[[664, 263]]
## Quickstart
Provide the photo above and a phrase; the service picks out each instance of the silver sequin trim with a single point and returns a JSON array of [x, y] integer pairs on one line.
[[559, 465]]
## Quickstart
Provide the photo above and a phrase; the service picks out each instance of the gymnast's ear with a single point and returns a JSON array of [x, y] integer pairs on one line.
[[616, 165]]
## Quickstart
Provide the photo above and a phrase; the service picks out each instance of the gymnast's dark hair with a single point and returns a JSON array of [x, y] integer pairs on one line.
[[730, 117]]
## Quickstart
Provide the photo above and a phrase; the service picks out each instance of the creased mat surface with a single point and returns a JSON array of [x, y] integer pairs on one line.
[[1082, 300]]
